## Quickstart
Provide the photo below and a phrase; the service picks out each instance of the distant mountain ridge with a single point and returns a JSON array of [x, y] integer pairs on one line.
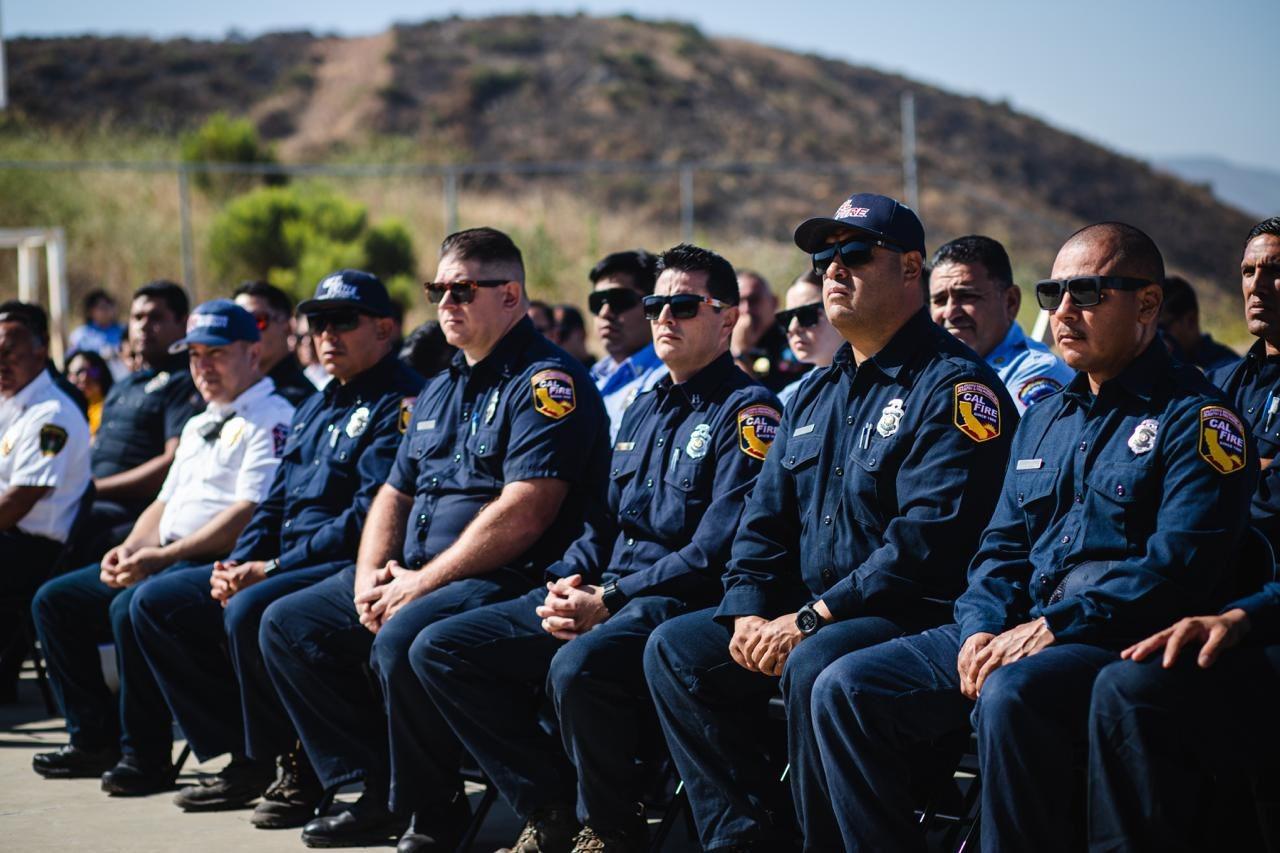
[[1256, 191], [566, 88]]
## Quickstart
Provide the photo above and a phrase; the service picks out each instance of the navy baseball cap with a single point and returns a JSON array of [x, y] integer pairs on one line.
[[217, 323], [350, 289], [878, 216]]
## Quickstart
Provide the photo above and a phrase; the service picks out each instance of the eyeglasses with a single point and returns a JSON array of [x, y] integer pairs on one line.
[[853, 253], [338, 321], [463, 291], [618, 298], [1085, 290], [684, 306], [806, 315]]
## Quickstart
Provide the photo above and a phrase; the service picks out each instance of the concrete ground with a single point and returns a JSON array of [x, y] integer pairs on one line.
[[74, 814]]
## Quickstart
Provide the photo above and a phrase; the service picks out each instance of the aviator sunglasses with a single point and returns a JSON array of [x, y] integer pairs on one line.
[[463, 291], [853, 253], [1085, 290], [684, 306], [618, 298], [806, 315]]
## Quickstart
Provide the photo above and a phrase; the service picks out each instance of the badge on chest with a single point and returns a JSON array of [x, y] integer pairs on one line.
[[890, 418]]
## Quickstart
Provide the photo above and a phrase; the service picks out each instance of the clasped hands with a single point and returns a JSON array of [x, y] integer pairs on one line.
[[983, 653], [124, 566], [389, 589], [572, 608]]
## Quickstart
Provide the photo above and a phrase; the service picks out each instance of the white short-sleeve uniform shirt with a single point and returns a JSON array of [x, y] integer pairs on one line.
[[227, 453], [44, 441]]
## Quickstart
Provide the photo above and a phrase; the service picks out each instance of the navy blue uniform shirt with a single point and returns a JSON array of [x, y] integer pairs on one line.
[[141, 412], [684, 459], [527, 411], [1253, 384], [338, 453], [291, 382], [881, 479], [1120, 512]]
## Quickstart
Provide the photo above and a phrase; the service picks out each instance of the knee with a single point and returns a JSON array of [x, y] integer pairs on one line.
[[242, 619], [45, 605], [1124, 685], [801, 671], [566, 676], [828, 693], [658, 651], [119, 615], [271, 627], [1005, 699], [390, 654]]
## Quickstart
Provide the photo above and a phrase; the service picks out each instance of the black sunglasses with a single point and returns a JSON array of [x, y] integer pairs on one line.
[[1085, 290], [339, 321], [684, 306], [463, 291], [806, 315], [853, 253], [618, 298]]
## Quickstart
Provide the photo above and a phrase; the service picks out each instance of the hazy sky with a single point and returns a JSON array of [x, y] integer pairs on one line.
[[1153, 78]]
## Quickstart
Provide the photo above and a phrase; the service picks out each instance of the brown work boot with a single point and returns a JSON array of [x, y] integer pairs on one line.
[[548, 831], [609, 841], [291, 799]]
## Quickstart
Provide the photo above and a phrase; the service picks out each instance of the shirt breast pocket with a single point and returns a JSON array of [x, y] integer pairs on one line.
[[1035, 492], [682, 497], [801, 462], [486, 460], [869, 486], [1118, 492]]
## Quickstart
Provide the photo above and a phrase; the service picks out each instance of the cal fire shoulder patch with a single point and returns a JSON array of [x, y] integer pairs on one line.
[[1222, 442], [279, 436], [757, 428], [977, 411], [52, 439], [553, 393]]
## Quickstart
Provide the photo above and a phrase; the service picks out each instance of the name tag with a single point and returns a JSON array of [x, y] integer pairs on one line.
[[1030, 464], [624, 445], [424, 425], [804, 430]]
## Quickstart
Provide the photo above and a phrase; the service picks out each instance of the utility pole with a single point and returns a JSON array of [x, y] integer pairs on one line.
[[4, 76], [910, 182]]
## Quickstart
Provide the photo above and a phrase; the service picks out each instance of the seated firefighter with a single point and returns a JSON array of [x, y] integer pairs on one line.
[[223, 468], [198, 627], [685, 457]]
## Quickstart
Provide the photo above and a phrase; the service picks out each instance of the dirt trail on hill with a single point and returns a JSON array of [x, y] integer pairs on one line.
[[345, 98]]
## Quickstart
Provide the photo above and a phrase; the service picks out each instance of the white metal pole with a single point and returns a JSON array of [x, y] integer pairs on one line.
[[910, 182], [56, 259], [4, 76]]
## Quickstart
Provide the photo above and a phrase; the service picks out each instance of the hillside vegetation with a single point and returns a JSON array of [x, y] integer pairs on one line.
[[576, 88]]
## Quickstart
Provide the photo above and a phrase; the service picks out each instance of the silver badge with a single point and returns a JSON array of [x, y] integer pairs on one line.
[[157, 382], [890, 416], [492, 408], [359, 422], [1144, 436], [699, 441]]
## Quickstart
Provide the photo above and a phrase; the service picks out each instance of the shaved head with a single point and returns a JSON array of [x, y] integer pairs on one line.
[[1128, 250]]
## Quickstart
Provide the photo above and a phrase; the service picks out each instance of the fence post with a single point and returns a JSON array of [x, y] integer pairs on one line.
[[910, 183], [686, 203], [184, 218], [450, 200]]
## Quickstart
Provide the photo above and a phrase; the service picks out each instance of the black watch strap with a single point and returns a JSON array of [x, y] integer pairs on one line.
[[614, 598], [809, 620]]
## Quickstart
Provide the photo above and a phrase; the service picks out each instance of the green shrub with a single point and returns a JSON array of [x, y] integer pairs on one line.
[[222, 139], [294, 236]]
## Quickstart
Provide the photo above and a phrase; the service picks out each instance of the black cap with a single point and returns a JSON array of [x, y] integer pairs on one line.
[[350, 289], [878, 216]]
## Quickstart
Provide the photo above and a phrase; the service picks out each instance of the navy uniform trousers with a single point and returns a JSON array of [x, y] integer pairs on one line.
[[485, 671], [76, 612], [873, 706], [1157, 736], [710, 707], [316, 649], [28, 561], [206, 659]]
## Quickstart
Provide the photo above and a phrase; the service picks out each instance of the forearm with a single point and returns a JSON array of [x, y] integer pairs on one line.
[[139, 483], [216, 538], [499, 533], [383, 536], [17, 502], [146, 530]]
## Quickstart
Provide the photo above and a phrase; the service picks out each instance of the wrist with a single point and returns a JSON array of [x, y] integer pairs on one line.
[[613, 598], [1238, 618]]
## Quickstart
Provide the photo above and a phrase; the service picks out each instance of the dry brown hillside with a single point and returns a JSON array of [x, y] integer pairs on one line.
[[548, 88]]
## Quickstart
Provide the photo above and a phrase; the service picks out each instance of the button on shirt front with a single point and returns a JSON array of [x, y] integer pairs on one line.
[[44, 441], [1119, 512], [237, 463]]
